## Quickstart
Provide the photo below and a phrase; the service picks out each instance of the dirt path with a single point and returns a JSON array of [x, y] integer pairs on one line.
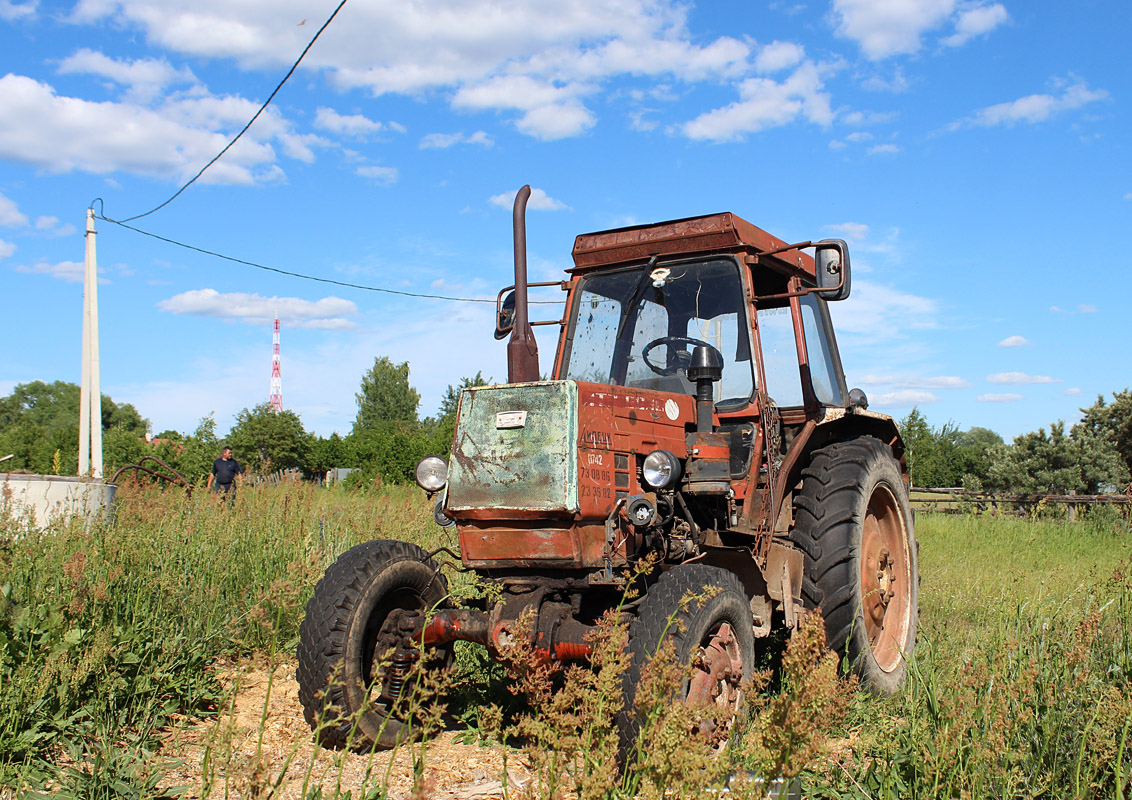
[[261, 740]]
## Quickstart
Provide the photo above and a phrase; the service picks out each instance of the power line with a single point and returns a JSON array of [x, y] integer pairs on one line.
[[244, 130], [289, 273]]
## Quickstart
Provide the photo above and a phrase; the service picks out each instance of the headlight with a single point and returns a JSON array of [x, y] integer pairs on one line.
[[661, 469], [432, 473]]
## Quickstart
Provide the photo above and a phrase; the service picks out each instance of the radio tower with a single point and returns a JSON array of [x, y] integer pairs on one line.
[[276, 398]]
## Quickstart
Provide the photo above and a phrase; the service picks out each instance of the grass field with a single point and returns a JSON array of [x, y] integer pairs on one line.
[[111, 636]]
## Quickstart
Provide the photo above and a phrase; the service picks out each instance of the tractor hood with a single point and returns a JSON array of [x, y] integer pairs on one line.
[[537, 468], [557, 448], [516, 450]]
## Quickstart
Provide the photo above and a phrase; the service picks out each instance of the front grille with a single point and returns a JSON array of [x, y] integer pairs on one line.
[[516, 449]]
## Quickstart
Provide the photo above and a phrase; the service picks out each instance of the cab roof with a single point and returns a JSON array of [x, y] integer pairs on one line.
[[707, 235]]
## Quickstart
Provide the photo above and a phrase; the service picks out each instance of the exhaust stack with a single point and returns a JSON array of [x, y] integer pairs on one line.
[[522, 350]]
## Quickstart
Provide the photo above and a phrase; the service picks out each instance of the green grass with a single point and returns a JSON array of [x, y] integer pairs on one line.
[[108, 634], [1022, 672]]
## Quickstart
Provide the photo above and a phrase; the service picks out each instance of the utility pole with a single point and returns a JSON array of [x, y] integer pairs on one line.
[[90, 394]]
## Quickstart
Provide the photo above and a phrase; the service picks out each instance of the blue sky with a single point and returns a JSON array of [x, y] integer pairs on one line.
[[975, 154]]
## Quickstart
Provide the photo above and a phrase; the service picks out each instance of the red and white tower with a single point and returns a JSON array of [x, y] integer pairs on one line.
[[276, 398]]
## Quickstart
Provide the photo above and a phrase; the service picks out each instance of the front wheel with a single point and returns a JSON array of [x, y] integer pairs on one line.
[[340, 650], [712, 634], [854, 525]]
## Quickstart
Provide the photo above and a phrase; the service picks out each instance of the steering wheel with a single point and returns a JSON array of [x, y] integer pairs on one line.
[[682, 358]]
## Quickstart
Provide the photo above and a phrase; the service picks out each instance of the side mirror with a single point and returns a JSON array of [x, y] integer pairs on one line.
[[504, 316], [831, 260]]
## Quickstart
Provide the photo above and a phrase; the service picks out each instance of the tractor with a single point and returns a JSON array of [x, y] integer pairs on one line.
[[697, 419]]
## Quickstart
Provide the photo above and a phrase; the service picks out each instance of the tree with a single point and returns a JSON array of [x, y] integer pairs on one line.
[[947, 456], [194, 455], [1082, 462], [446, 418], [386, 395], [39, 419], [1113, 422], [264, 440]]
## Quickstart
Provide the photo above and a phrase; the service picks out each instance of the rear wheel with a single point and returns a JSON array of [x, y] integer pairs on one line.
[[713, 635], [341, 643], [854, 524]]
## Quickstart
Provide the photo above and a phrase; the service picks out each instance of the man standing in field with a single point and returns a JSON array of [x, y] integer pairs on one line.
[[224, 472]]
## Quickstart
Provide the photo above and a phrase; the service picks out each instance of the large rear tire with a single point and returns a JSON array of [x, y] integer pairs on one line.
[[714, 635], [854, 525], [338, 641]]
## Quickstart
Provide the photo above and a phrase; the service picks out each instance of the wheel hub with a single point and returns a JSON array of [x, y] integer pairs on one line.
[[885, 579], [717, 672]]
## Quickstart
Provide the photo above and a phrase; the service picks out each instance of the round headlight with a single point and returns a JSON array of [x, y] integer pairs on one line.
[[661, 469], [432, 473]]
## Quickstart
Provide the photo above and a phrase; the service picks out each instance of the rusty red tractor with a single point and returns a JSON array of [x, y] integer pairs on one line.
[[698, 417]]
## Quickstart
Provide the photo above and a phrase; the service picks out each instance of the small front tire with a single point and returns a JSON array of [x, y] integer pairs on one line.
[[338, 641], [712, 634]]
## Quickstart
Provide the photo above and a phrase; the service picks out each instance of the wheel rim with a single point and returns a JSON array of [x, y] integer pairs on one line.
[[717, 671], [886, 582]]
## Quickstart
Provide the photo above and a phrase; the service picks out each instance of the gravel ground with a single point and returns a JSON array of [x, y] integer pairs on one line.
[[219, 757]]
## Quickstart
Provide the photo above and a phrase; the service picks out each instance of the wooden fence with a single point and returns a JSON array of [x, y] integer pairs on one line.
[[967, 501], [277, 477]]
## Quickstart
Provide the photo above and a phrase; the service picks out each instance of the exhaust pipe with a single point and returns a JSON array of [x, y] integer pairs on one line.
[[522, 350]]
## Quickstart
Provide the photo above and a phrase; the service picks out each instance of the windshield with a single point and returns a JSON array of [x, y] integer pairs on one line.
[[638, 327]]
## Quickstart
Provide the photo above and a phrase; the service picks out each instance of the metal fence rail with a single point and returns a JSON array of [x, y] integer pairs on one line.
[[958, 500]]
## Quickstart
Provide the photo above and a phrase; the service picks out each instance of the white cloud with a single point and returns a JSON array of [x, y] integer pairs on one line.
[[1084, 308], [1056, 309], [69, 271], [551, 111], [171, 141], [448, 49], [329, 313], [1128, 196], [10, 214], [914, 382], [442, 141], [1020, 378], [883, 150], [145, 77], [6, 249], [905, 398], [557, 121], [381, 175], [976, 21], [778, 56], [765, 103], [356, 125], [999, 398], [1033, 108], [12, 11], [863, 118], [51, 226], [876, 315], [889, 27], [859, 136], [539, 201], [852, 231], [1014, 341], [1074, 391]]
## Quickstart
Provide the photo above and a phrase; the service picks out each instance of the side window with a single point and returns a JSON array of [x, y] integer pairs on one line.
[[826, 385], [590, 352], [780, 356]]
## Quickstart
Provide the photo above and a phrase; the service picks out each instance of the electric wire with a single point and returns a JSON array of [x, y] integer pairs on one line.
[[243, 130], [292, 274]]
